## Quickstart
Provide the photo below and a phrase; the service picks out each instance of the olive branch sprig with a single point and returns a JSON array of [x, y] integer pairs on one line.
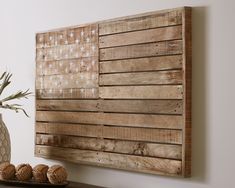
[[5, 81]]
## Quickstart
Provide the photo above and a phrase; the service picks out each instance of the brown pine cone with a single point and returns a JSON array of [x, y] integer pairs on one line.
[[57, 174], [40, 173], [24, 172], [7, 171]]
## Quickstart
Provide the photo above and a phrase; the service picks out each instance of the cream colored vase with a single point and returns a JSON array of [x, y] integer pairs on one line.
[[5, 143]]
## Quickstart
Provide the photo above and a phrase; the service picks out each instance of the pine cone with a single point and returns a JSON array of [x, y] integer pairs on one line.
[[57, 174], [23, 172], [7, 171], [40, 173]]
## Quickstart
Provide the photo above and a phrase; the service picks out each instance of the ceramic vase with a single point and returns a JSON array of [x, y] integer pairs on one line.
[[5, 143]]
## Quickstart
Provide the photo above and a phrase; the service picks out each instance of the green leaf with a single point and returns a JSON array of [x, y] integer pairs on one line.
[[5, 79]]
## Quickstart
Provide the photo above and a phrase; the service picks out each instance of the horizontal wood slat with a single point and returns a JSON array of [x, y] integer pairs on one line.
[[142, 64], [142, 106], [71, 66], [141, 92], [137, 163], [142, 50], [139, 23], [142, 78], [122, 106], [69, 105], [144, 36], [73, 93], [120, 133], [130, 120], [67, 52], [114, 146], [67, 81]]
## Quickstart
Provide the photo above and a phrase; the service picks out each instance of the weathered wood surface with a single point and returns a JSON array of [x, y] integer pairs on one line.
[[142, 106], [70, 66], [67, 52], [118, 119], [143, 36], [67, 81], [142, 92], [121, 161], [114, 146], [122, 106], [67, 63], [67, 36], [142, 78], [142, 50], [68, 105], [141, 22], [142, 64], [117, 93], [187, 67], [77, 93], [112, 132]]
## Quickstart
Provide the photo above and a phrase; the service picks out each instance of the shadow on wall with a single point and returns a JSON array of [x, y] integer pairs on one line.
[[199, 92]]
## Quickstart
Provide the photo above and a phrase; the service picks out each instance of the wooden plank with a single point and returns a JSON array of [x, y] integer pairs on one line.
[[129, 120], [72, 93], [141, 22], [142, 106], [68, 52], [141, 92], [70, 105], [142, 78], [114, 146], [121, 106], [187, 67], [67, 81], [78, 65], [142, 50], [121, 161], [142, 64], [143, 36], [66, 36], [120, 133]]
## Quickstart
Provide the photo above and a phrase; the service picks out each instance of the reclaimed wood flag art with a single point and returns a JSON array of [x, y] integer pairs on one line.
[[117, 93]]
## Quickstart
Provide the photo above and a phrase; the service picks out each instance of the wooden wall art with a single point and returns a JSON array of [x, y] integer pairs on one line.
[[117, 93]]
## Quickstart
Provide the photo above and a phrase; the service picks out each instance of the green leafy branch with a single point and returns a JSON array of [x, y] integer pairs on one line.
[[5, 81]]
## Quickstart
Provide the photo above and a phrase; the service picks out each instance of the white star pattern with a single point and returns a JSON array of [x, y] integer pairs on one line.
[[69, 55]]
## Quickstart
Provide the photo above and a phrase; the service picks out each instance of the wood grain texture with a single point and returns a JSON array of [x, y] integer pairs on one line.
[[77, 93], [112, 132], [118, 119], [142, 64], [68, 105], [127, 162], [187, 139], [142, 78], [141, 22], [142, 50], [122, 106], [117, 93], [68, 36], [142, 92], [142, 106], [67, 52], [69, 66], [68, 81], [143, 36], [114, 146]]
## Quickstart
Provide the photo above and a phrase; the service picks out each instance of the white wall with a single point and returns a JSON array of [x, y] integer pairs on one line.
[[213, 86]]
